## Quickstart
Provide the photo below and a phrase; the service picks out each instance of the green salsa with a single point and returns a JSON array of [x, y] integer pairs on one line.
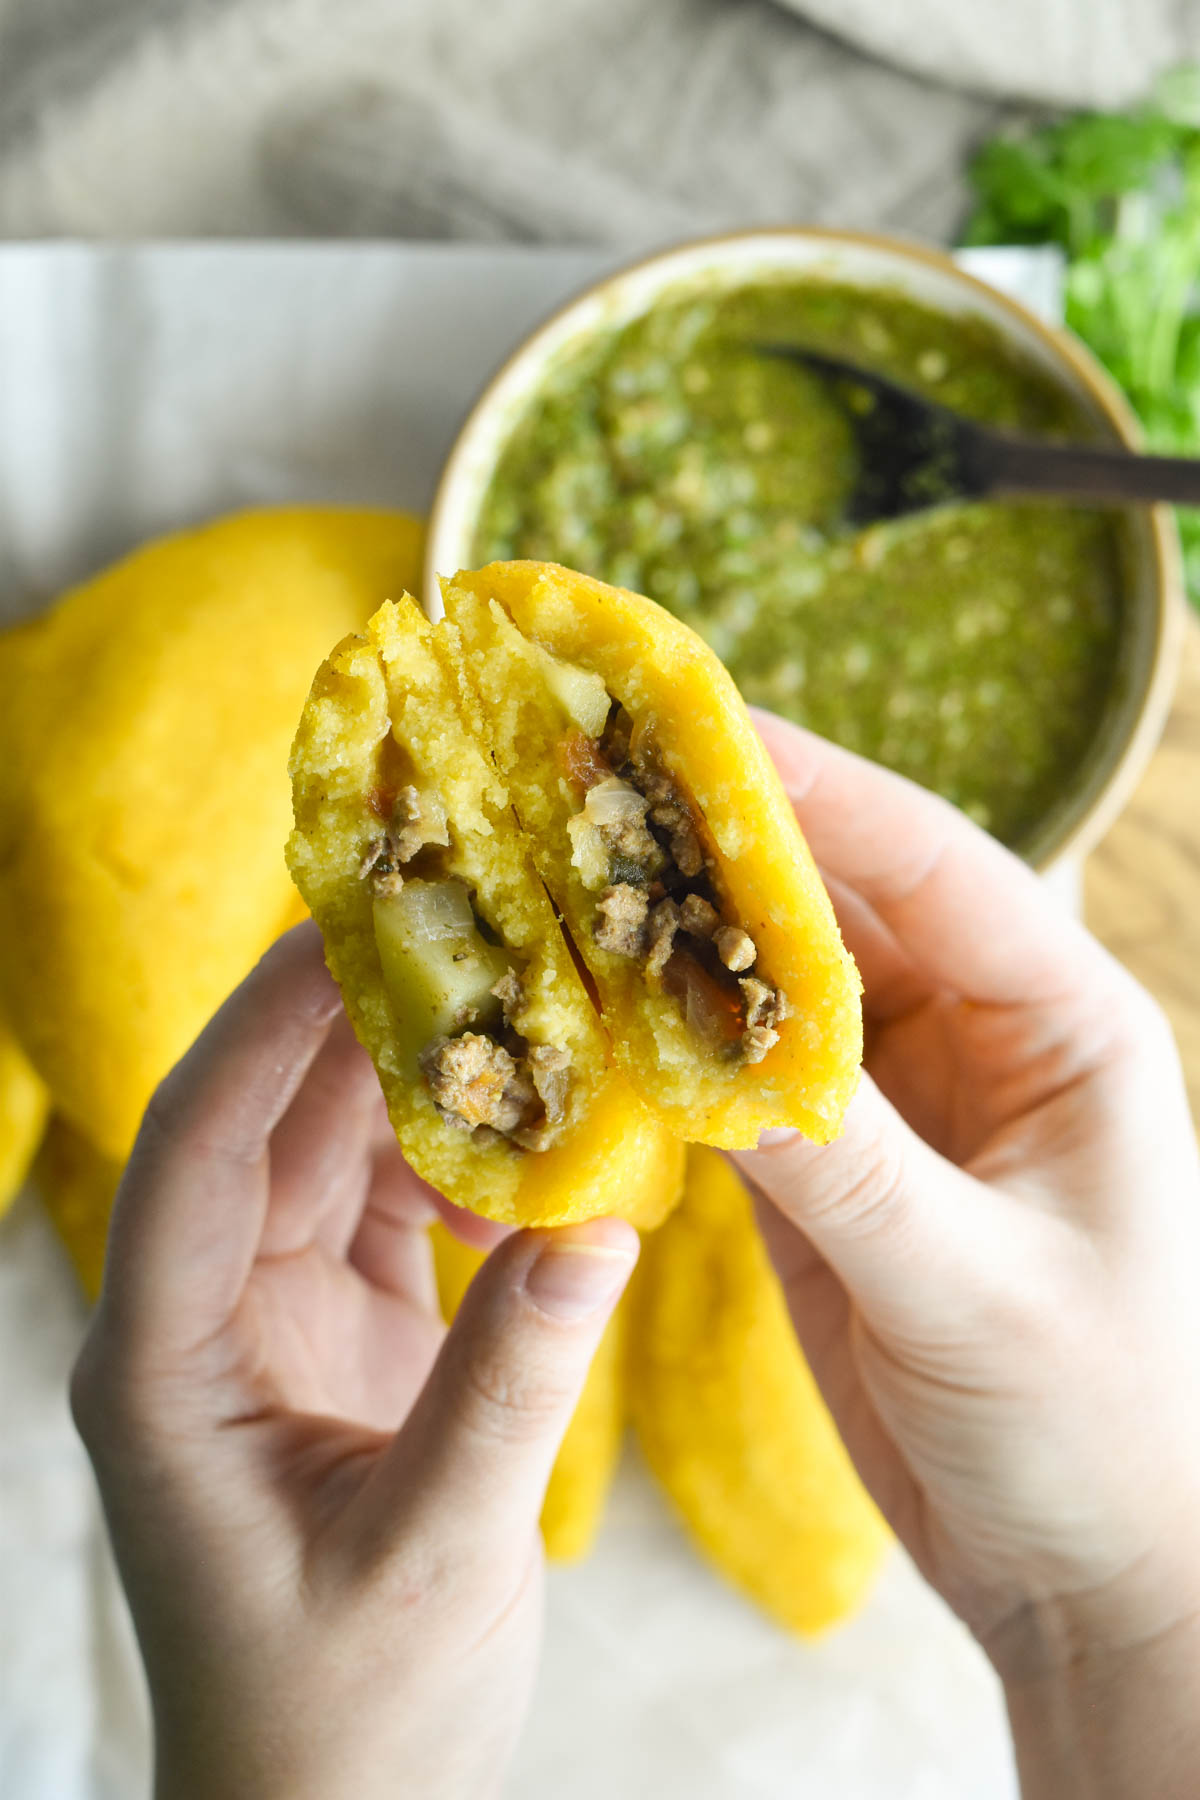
[[971, 647]]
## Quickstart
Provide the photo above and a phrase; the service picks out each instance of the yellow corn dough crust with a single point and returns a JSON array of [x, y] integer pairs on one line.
[[388, 707], [730, 1418], [143, 796], [587, 1458], [78, 1184], [670, 684], [24, 1108]]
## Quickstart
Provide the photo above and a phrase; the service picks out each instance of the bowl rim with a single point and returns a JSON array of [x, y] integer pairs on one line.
[[1061, 346]]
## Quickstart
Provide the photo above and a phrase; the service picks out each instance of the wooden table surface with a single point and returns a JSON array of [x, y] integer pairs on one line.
[[1142, 885]]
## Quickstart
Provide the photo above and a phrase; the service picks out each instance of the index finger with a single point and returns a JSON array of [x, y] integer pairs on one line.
[[971, 916], [190, 1209]]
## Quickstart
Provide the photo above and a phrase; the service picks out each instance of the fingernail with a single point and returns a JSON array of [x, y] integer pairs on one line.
[[777, 1134], [570, 1279]]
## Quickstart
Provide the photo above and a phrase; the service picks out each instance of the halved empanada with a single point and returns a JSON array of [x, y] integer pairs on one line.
[[453, 967], [663, 834]]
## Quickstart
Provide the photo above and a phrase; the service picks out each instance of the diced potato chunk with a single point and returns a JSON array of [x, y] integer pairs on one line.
[[438, 970], [580, 692]]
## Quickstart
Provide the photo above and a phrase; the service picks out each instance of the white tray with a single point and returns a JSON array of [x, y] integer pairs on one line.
[[141, 389]]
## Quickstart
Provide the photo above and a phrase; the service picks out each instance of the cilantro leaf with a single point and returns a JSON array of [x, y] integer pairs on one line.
[[1119, 193]]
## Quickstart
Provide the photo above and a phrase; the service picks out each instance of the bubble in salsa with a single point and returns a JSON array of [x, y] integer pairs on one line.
[[971, 647]]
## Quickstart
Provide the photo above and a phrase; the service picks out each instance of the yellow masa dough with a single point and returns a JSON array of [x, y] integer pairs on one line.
[[389, 706], [731, 1421], [78, 1185], [143, 794], [509, 616], [24, 1106], [587, 1458]]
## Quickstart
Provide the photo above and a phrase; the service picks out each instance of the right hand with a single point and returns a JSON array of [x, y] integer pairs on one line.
[[994, 1271]]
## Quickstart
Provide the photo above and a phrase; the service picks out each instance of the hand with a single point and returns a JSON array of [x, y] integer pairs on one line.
[[324, 1508], [994, 1272]]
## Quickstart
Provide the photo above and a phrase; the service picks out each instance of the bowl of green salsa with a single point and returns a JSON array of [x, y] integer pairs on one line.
[[1016, 658]]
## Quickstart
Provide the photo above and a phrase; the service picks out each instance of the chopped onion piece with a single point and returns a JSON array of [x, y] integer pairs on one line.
[[613, 801], [580, 692], [589, 853]]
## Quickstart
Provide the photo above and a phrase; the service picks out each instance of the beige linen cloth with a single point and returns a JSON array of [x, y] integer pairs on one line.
[[609, 121]]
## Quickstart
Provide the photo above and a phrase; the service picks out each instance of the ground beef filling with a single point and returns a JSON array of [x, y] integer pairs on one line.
[[479, 1085], [639, 842], [486, 1079], [416, 822]]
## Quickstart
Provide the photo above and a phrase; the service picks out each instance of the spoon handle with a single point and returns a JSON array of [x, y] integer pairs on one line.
[[1000, 464]]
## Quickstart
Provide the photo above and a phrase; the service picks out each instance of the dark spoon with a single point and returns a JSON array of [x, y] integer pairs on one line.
[[913, 453]]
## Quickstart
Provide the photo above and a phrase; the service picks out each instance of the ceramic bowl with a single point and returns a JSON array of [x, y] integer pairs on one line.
[[1154, 607]]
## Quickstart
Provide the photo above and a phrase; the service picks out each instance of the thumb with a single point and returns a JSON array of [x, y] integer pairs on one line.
[[472, 1460], [907, 1233]]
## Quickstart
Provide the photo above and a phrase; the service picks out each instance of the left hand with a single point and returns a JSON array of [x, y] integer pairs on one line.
[[324, 1507]]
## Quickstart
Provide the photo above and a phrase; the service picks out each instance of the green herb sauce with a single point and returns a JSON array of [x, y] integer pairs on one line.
[[971, 647]]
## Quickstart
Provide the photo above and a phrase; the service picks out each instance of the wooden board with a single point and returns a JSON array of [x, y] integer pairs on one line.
[[1142, 884]]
